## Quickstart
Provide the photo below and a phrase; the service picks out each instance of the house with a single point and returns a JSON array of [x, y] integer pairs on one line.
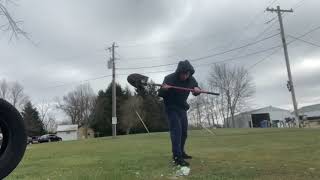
[[74, 132], [311, 114], [263, 117], [67, 132]]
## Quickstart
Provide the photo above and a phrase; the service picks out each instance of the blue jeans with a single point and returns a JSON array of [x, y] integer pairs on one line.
[[178, 126]]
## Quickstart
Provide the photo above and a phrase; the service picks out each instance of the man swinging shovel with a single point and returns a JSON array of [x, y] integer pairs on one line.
[[175, 90]]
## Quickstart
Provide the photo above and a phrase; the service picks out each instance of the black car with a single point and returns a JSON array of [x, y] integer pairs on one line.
[[35, 139], [49, 138]]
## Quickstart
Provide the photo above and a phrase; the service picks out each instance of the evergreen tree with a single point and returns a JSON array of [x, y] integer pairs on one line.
[[150, 108], [154, 113], [34, 126], [102, 113]]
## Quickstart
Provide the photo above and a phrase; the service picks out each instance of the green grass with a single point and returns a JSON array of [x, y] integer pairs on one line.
[[233, 154]]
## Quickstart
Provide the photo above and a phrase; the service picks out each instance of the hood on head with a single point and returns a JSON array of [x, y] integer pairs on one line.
[[185, 66]]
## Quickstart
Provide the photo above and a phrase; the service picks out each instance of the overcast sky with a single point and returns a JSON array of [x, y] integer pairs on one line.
[[70, 38]]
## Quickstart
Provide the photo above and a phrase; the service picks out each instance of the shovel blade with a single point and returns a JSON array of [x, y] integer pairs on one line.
[[137, 80]]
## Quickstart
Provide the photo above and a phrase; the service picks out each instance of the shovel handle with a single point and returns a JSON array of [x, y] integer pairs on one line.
[[188, 89], [212, 93]]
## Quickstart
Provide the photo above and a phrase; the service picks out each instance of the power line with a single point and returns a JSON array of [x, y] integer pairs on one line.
[[243, 56], [263, 59], [258, 15], [151, 72], [171, 42], [224, 52], [222, 61], [271, 20], [302, 40], [295, 6], [78, 82], [298, 4], [234, 49], [150, 57], [295, 39], [273, 1], [172, 56], [167, 56], [308, 32], [101, 77], [257, 52], [225, 60], [266, 29], [205, 57]]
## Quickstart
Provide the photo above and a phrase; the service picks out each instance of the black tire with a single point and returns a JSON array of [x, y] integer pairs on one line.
[[14, 138]]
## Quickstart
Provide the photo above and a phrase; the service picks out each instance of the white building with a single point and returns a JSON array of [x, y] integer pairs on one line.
[[74, 132], [312, 115], [271, 115], [67, 132], [311, 111]]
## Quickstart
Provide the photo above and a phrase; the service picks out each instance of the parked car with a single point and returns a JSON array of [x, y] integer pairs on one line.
[[49, 138], [35, 139]]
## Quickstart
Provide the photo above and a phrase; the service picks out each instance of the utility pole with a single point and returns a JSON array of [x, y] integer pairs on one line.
[[290, 82], [111, 65]]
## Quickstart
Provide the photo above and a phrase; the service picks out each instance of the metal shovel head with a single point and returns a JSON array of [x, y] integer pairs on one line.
[[137, 80]]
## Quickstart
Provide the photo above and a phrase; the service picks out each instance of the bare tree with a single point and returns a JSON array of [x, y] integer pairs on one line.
[[203, 109], [78, 105], [43, 108], [8, 24], [13, 92], [208, 110], [209, 107], [235, 87], [214, 107], [16, 95], [4, 89], [197, 109], [50, 123], [69, 106], [46, 109]]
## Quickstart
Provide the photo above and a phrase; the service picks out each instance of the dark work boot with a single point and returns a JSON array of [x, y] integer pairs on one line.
[[180, 161], [186, 156]]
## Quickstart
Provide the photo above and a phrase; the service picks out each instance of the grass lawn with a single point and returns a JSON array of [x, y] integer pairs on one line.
[[261, 154]]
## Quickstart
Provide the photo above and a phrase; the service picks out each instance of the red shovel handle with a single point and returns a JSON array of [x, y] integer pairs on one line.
[[188, 89]]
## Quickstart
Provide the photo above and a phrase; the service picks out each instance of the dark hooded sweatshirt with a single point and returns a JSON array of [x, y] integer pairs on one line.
[[174, 98]]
